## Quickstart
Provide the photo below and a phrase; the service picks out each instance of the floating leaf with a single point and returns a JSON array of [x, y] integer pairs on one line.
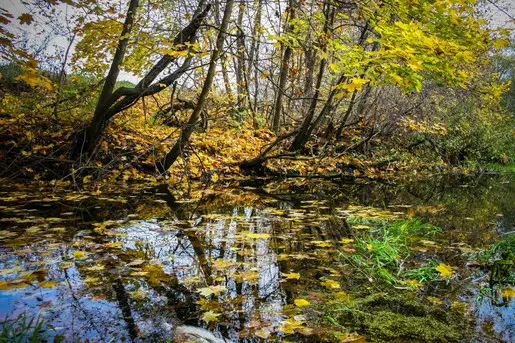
[[263, 333], [210, 316], [291, 275], [301, 302], [79, 255], [207, 291], [258, 235], [47, 284], [508, 292]]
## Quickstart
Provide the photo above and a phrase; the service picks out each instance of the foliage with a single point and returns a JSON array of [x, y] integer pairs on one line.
[[24, 330]]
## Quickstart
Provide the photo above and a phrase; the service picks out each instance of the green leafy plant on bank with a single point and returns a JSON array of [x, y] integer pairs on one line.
[[23, 329]]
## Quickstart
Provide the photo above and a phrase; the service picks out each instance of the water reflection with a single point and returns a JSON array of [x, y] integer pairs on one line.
[[133, 269]]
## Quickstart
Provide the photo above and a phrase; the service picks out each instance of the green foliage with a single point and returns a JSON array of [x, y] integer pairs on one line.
[[384, 249], [24, 330]]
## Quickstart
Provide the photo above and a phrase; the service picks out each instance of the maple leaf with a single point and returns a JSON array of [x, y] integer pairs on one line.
[[356, 84], [210, 316], [444, 269], [25, 18], [301, 302]]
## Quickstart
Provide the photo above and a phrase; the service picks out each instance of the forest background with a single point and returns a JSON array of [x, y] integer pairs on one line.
[[219, 89]]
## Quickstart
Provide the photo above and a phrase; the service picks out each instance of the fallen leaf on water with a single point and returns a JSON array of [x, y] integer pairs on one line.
[[331, 284], [291, 275], [90, 279], [508, 292], [136, 262], [96, 267], [210, 316], [444, 269], [207, 291], [263, 333], [258, 235], [79, 255], [47, 284], [301, 302]]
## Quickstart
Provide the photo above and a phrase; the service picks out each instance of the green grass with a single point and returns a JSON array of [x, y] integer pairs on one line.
[[382, 252], [24, 330]]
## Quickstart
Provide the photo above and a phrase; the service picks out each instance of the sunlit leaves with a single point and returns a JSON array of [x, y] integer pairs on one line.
[[33, 79]]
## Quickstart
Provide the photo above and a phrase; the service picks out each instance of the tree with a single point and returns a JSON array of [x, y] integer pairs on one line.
[[112, 102], [186, 132]]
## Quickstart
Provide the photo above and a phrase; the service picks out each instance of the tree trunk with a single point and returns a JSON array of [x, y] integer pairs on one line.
[[176, 150], [240, 60], [304, 131], [95, 128], [283, 75], [110, 103]]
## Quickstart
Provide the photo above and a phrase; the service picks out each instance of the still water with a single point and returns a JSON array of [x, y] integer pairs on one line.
[[248, 261]]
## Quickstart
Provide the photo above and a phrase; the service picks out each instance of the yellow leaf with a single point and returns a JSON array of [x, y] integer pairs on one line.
[[264, 75], [79, 255], [361, 227], [500, 43], [356, 84], [301, 302], [444, 269], [346, 240], [210, 316], [331, 284], [263, 333], [414, 283], [207, 291], [258, 235], [508, 292], [292, 275], [47, 284]]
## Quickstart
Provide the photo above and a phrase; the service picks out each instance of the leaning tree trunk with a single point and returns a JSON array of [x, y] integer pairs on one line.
[[86, 141], [112, 102], [176, 150]]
